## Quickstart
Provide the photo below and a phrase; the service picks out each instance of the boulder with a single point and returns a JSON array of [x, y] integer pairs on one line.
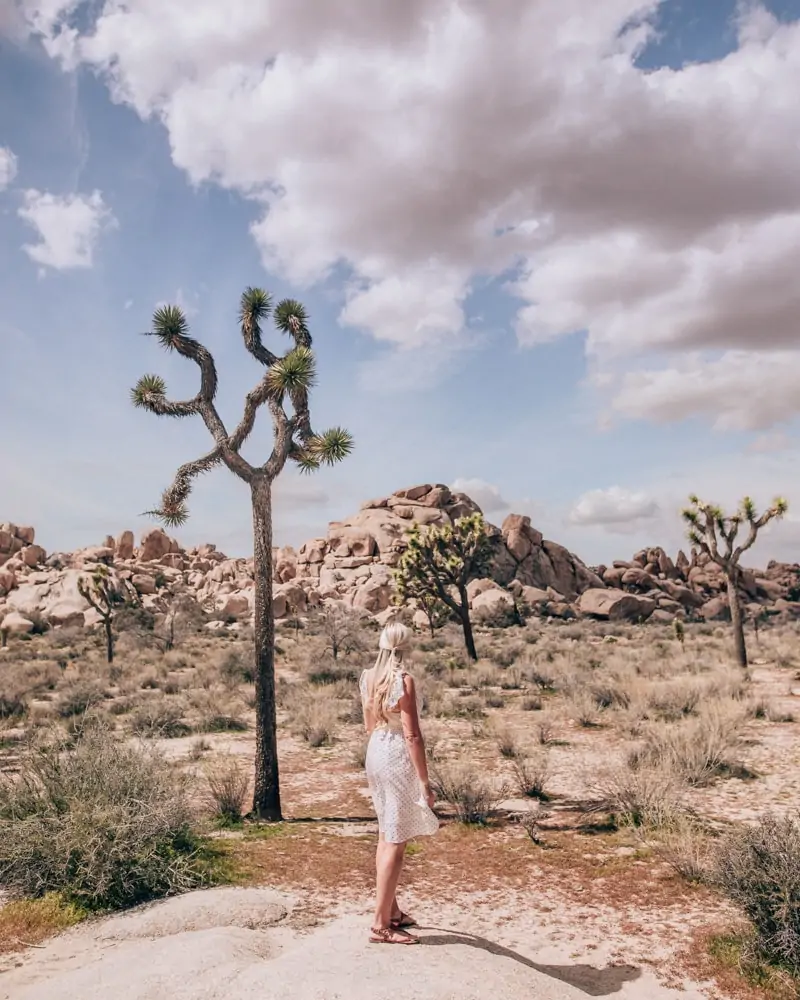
[[143, 583], [491, 602], [716, 609], [7, 582], [33, 555], [638, 578], [479, 586], [26, 534], [16, 624], [234, 605], [124, 546], [614, 605], [155, 545], [66, 612], [373, 596]]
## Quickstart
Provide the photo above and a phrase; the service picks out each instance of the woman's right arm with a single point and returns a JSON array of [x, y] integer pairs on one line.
[[409, 717]]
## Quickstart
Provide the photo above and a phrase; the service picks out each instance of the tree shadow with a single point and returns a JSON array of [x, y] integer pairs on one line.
[[586, 978]]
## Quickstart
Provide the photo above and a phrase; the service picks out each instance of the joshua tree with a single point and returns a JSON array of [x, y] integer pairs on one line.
[[430, 604], [342, 629], [715, 534], [439, 562], [100, 591], [288, 379]]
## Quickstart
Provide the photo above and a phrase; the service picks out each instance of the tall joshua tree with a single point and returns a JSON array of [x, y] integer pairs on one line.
[[284, 389], [715, 533]]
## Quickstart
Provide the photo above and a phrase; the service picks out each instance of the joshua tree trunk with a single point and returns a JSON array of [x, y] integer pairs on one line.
[[466, 624], [736, 617], [266, 798], [109, 639]]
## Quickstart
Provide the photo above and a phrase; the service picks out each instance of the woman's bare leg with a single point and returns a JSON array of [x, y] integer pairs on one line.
[[388, 865]]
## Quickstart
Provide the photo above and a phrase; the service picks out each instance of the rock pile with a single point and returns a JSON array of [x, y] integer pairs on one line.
[[353, 564]]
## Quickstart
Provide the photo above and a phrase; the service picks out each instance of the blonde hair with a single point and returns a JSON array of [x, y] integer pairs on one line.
[[394, 641]]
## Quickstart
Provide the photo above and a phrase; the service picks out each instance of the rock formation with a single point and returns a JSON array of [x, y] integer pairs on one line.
[[353, 564]]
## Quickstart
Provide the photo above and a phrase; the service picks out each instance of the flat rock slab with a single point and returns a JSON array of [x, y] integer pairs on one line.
[[182, 950]]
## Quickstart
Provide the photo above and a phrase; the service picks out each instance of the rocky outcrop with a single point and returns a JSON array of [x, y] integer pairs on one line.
[[352, 564]]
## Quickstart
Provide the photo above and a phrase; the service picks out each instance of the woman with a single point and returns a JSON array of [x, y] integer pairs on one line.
[[397, 773]]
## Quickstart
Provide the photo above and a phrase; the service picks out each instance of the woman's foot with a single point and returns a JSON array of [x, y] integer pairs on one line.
[[390, 935], [401, 920]]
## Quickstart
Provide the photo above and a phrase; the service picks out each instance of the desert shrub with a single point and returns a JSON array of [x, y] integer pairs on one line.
[[645, 797], [316, 721], [507, 744], [13, 700], [237, 668], [220, 722], [461, 708], [686, 848], [698, 750], [106, 824], [157, 718], [545, 731], [228, 784], [531, 704], [78, 697], [585, 709], [531, 772], [468, 790], [494, 701], [758, 869]]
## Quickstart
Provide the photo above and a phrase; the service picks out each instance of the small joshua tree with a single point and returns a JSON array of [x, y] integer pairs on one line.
[[715, 533], [430, 604], [106, 598], [439, 561], [287, 379]]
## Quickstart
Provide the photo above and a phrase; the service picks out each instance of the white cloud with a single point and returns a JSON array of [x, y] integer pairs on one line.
[[68, 227], [485, 495], [741, 390], [424, 143], [615, 509], [8, 167]]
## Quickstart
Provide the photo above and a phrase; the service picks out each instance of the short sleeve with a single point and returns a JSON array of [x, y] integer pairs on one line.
[[396, 692]]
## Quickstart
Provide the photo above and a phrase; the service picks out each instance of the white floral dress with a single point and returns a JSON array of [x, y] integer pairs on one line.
[[397, 795]]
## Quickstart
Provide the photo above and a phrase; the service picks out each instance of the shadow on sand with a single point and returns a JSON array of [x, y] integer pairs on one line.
[[589, 980]]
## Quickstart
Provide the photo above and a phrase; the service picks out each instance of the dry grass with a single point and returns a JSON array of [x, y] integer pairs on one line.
[[28, 922]]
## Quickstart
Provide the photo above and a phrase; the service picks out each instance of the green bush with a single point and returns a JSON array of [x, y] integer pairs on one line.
[[107, 825], [758, 869]]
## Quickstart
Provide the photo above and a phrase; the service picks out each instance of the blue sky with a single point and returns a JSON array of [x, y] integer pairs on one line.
[[550, 264]]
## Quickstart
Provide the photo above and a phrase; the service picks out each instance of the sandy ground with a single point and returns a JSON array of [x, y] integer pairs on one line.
[[249, 943]]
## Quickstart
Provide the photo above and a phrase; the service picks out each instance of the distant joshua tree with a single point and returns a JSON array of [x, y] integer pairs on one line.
[[107, 598], [715, 533], [288, 378], [439, 562]]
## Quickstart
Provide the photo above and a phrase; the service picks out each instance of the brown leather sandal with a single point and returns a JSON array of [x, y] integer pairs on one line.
[[390, 935]]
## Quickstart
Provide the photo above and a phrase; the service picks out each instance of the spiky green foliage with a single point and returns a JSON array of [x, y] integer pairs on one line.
[[148, 389], [169, 325], [716, 533], [254, 306], [291, 317], [440, 560], [297, 371]]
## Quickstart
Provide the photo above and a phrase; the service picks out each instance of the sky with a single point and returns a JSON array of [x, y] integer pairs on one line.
[[550, 253]]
